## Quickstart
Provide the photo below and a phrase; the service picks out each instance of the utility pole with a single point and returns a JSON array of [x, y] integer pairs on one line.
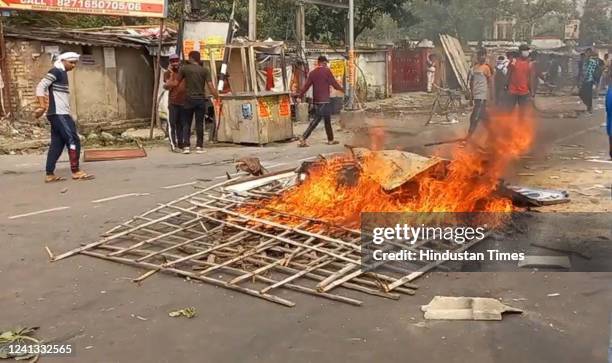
[[253, 20], [351, 56], [300, 24]]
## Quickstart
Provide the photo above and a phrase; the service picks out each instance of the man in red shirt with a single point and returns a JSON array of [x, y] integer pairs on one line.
[[520, 80], [321, 78], [176, 102]]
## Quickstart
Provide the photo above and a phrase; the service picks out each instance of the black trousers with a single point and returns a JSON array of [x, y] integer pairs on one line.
[[194, 107], [63, 135], [479, 113], [175, 124], [523, 102], [586, 95], [322, 112]]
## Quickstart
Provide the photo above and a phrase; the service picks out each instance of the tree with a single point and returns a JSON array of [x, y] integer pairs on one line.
[[529, 13], [329, 24], [469, 19], [596, 24]]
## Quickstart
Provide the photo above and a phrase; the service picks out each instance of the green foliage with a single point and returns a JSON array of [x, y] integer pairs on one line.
[[470, 19], [596, 24]]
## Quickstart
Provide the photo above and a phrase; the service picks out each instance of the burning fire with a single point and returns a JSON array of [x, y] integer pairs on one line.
[[468, 185]]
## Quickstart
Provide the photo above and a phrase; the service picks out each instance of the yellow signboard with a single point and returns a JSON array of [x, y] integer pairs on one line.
[[337, 68], [140, 8], [210, 46]]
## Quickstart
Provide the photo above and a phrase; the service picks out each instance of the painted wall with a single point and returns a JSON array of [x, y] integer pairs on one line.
[[108, 87], [372, 72]]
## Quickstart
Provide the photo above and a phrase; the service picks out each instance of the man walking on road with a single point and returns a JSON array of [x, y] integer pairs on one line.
[[321, 78], [176, 100], [63, 128], [479, 79], [521, 80], [588, 80], [197, 78]]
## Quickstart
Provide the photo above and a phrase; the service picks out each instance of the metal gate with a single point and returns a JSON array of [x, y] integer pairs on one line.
[[408, 69]]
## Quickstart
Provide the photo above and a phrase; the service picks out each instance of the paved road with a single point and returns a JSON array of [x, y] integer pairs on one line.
[[94, 304]]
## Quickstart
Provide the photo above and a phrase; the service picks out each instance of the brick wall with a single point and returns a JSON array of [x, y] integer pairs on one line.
[[24, 64]]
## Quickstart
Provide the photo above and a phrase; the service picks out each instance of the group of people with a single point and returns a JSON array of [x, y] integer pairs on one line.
[[510, 84], [513, 82], [188, 97]]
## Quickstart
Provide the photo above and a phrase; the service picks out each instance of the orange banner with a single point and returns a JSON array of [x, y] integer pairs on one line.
[[263, 108], [285, 107]]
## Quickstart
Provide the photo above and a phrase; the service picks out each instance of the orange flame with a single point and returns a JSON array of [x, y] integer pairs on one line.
[[468, 185]]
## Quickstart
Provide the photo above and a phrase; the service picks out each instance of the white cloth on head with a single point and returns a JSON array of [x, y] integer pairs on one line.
[[68, 56]]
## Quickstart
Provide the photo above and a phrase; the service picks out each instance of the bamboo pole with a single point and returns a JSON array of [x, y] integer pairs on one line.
[[280, 226], [153, 239], [334, 276], [268, 266], [286, 240], [189, 241], [191, 275], [266, 279], [117, 235], [186, 258], [162, 206]]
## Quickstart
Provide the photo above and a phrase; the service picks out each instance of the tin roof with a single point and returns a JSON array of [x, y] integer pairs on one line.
[[132, 36]]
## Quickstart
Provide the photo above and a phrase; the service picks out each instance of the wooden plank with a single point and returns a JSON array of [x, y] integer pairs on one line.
[[245, 72], [454, 52], [253, 71], [113, 154]]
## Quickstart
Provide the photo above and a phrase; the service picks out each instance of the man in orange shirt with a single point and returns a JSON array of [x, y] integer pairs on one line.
[[520, 80], [480, 86]]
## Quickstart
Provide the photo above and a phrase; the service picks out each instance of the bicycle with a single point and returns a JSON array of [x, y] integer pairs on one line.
[[447, 103]]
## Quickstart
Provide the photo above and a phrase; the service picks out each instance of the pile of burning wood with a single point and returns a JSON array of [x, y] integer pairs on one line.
[[299, 229]]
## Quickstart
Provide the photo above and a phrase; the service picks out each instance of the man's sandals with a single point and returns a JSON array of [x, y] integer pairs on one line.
[[81, 175], [54, 179]]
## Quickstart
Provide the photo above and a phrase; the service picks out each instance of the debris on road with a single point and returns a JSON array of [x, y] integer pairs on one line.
[[19, 336], [546, 262], [250, 165], [49, 252], [537, 197], [92, 155], [466, 308], [139, 317], [554, 294], [186, 312]]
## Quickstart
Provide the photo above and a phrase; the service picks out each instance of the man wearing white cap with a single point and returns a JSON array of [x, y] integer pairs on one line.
[[54, 87]]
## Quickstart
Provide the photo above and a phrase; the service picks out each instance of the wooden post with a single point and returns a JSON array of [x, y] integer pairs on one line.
[[154, 106]]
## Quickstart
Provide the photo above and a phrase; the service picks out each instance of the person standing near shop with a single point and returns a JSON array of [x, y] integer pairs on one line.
[[431, 72], [176, 100], [197, 78]]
